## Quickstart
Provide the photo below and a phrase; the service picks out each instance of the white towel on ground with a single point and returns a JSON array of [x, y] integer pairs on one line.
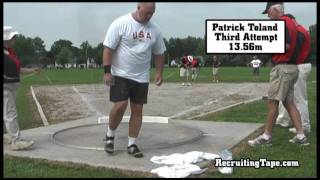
[[182, 164], [176, 171]]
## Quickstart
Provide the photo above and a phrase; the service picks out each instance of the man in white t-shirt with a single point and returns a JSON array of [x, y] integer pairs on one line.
[[255, 64], [130, 42]]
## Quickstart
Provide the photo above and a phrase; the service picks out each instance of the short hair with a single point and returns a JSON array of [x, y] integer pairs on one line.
[[278, 7], [142, 3]]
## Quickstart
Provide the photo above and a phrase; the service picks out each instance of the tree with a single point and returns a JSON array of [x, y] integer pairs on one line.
[[50, 57], [58, 45], [200, 50], [167, 55], [76, 53], [190, 45], [85, 52], [24, 49], [65, 56], [97, 53], [39, 51]]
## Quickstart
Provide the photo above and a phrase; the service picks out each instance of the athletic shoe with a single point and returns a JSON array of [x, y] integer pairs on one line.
[[302, 141], [183, 84], [21, 144], [134, 151], [259, 141], [109, 144], [294, 130], [189, 84]]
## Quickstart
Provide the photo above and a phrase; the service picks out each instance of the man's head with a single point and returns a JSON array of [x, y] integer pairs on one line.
[[145, 11], [274, 10]]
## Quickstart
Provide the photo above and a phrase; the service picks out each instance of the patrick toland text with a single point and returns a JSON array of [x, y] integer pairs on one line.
[[245, 36], [222, 32]]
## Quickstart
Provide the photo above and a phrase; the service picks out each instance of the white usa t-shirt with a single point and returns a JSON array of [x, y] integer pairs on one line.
[[133, 44], [256, 63]]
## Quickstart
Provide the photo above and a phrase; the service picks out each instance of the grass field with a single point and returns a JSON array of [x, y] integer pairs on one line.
[[255, 112]]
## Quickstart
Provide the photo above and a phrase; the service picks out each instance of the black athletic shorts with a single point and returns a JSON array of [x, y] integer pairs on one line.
[[123, 88], [256, 71]]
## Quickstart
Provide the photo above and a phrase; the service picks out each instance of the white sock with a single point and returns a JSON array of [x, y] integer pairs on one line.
[[131, 141], [266, 136], [110, 132], [300, 136]]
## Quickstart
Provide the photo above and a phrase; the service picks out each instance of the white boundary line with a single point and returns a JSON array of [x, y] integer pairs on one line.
[[186, 112], [29, 75], [86, 101], [148, 119], [43, 117], [209, 103], [210, 112], [227, 107], [49, 80]]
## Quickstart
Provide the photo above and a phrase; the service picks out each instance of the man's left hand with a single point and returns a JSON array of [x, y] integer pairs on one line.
[[158, 79]]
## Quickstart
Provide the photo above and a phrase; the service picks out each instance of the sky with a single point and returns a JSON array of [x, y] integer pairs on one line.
[[79, 22]]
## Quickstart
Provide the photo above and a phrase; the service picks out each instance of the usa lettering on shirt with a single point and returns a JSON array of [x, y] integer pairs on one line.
[[141, 35]]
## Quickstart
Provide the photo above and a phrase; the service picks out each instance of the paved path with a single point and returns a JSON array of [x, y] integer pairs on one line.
[[78, 138], [80, 141]]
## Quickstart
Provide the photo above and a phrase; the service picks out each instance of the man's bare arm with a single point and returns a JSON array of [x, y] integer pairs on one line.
[[107, 60], [159, 61]]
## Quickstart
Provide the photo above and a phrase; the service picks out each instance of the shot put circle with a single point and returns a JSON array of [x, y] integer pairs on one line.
[[152, 136]]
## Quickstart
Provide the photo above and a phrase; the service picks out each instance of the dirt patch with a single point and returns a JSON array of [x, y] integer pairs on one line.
[[70, 102], [61, 104], [235, 97]]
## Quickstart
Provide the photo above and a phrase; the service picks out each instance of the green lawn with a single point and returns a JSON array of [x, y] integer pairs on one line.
[[255, 112], [226, 74], [281, 149], [41, 168]]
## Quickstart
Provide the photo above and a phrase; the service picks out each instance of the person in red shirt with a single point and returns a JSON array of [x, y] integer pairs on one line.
[[11, 79], [194, 68], [283, 76], [300, 87], [185, 64]]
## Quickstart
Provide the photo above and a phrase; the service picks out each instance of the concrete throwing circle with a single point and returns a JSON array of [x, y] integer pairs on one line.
[[152, 136]]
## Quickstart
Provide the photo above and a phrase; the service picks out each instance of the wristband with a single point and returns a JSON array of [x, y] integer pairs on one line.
[[107, 69]]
